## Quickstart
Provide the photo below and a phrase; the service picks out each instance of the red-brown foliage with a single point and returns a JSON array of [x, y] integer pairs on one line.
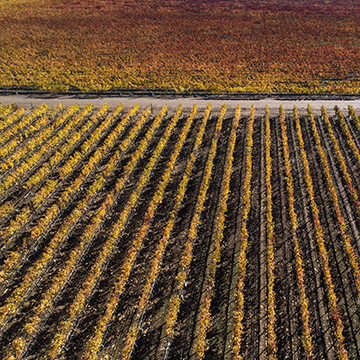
[[248, 45]]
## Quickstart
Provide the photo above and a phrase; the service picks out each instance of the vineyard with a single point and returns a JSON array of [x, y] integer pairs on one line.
[[130, 233], [180, 46]]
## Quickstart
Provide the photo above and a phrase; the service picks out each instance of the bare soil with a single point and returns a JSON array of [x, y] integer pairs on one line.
[[152, 342]]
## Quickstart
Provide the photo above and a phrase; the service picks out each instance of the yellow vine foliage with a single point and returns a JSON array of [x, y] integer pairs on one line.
[[222, 46]]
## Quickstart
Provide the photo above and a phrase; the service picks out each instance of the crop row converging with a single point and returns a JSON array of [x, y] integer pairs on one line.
[[119, 223]]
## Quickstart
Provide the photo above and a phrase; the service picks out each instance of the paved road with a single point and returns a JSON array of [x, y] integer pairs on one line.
[[187, 102]]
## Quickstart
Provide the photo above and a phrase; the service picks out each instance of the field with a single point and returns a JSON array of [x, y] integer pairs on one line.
[[237, 46], [152, 231], [178, 234]]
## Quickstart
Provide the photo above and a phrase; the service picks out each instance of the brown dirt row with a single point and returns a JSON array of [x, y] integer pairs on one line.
[[288, 327], [341, 272], [151, 343], [97, 300], [68, 246]]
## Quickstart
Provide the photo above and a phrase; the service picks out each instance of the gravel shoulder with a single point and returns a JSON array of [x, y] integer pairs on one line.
[[187, 102]]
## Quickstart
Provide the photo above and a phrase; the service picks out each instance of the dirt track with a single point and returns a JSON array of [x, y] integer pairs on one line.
[[187, 102]]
